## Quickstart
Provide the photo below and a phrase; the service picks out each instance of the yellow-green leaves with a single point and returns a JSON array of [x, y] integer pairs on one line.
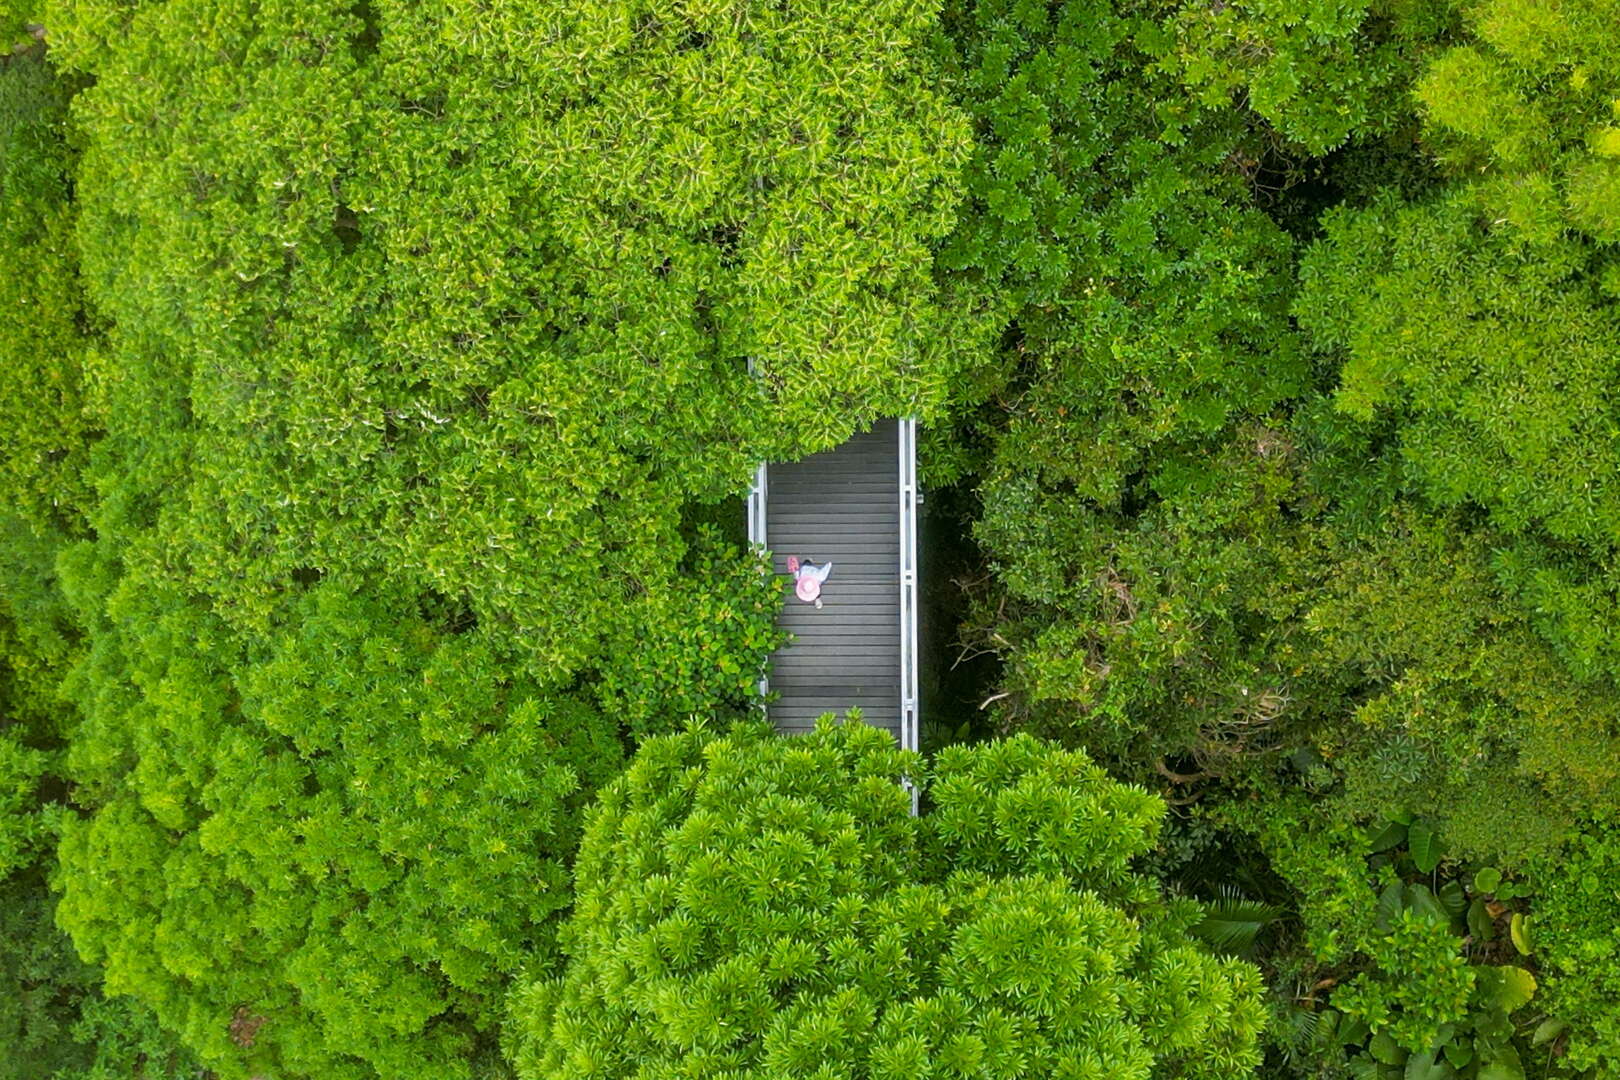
[[1512, 113]]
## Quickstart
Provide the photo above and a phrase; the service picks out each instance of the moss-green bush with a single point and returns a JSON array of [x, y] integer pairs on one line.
[[1321, 73]]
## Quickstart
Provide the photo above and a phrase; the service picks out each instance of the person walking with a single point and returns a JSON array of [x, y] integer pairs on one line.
[[808, 578]]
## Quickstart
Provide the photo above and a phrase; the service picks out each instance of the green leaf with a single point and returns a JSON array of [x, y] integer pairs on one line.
[[1458, 1053], [1424, 845], [1424, 1067], [1548, 1030], [1393, 835], [1486, 879], [1390, 902], [1352, 1030], [1232, 924], [1325, 1029], [1480, 923], [1363, 1067], [1501, 1069], [1492, 1029], [1519, 930], [1453, 899], [1504, 987], [1420, 900], [1386, 1050]]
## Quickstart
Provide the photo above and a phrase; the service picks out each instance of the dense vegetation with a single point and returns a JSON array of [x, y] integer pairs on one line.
[[760, 907], [377, 644]]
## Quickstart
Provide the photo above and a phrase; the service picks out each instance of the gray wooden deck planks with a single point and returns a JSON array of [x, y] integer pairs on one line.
[[840, 506]]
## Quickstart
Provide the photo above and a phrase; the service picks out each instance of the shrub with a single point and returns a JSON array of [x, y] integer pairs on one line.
[[1497, 370], [1521, 110], [1466, 715], [1407, 960], [1578, 944]]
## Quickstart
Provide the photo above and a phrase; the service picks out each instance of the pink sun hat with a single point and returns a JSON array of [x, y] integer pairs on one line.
[[807, 588]]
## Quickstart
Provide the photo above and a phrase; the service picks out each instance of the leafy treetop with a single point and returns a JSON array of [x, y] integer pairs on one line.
[[765, 907]]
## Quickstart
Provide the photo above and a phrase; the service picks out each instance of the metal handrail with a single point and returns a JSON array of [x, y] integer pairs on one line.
[[757, 495], [908, 592]]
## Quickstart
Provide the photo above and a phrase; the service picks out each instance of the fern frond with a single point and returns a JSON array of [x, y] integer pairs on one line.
[[1233, 923]]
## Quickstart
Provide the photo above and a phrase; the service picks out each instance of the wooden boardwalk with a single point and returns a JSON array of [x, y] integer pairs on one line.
[[849, 506]]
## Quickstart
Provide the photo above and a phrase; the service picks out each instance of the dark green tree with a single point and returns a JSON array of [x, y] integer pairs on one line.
[[45, 325], [1135, 452]]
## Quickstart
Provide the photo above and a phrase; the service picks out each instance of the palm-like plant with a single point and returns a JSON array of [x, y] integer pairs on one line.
[[1233, 923]]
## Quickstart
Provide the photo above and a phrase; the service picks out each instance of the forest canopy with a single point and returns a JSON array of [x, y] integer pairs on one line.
[[380, 644], [782, 914]]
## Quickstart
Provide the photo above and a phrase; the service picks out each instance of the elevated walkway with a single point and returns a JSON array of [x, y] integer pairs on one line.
[[853, 506]]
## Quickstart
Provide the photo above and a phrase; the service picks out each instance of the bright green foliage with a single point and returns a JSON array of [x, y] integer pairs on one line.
[[53, 1019], [759, 907], [488, 331], [1322, 72], [779, 207], [1493, 349], [1578, 942], [1419, 982], [428, 328], [1501, 369], [366, 372], [1499, 373], [330, 851], [1530, 103], [18, 21]]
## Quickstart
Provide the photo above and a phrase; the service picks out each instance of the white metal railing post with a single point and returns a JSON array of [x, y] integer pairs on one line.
[[908, 494], [756, 529], [757, 539]]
